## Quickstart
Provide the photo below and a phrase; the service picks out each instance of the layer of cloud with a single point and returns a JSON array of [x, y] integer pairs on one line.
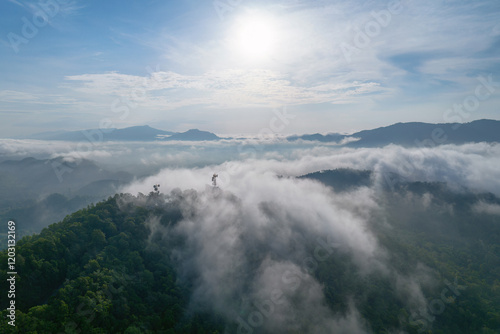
[[488, 208], [250, 249], [219, 89], [472, 166], [191, 164], [250, 239]]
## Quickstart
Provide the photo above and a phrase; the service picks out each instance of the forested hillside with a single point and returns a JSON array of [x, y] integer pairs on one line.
[[125, 265], [95, 272]]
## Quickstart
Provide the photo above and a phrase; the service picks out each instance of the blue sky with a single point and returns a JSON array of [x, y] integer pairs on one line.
[[227, 66]]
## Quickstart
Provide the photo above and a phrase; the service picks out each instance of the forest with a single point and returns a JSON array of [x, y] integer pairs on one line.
[[114, 267]]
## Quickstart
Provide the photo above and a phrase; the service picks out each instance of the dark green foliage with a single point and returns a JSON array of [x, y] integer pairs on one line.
[[93, 273], [101, 270], [342, 179]]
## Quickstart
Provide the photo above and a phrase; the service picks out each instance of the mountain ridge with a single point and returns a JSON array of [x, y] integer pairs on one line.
[[117, 254], [409, 134], [133, 133], [418, 134]]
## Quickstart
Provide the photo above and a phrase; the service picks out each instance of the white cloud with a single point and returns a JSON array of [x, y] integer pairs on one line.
[[488, 208], [16, 96], [29, 98], [17, 3], [474, 166], [249, 239], [307, 70], [17, 148], [220, 89]]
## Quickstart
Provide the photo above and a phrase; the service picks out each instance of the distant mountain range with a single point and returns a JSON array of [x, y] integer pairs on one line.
[[31, 178], [404, 134], [36, 192], [193, 135], [415, 134], [134, 133]]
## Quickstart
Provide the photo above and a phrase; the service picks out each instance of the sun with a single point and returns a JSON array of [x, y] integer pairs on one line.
[[254, 36]]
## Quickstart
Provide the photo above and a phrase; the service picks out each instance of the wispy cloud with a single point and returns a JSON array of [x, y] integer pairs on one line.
[[64, 8], [488, 208], [35, 98], [222, 89], [411, 65], [16, 96], [17, 3]]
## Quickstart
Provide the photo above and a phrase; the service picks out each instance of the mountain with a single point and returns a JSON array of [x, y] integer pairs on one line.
[[342, 179], [417, 134], [412, 134], [34, 178], [31, 188], [429, 135], [134, 133], [193, 135], [33, 215], [128, 265], [331, 137]]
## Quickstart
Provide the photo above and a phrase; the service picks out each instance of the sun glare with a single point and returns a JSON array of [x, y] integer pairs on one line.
[[254, 37]]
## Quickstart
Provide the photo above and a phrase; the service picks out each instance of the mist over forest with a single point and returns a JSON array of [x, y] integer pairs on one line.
[[296, 236], [250, 167]]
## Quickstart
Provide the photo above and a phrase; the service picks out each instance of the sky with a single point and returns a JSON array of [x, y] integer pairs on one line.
[[232, 66]]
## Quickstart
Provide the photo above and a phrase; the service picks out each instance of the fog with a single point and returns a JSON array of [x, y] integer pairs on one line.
[[472, 165], [248, 239], [251, 245], [250, 252]]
